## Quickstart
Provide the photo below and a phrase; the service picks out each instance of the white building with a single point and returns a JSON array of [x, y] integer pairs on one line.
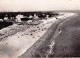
[[18, 18]]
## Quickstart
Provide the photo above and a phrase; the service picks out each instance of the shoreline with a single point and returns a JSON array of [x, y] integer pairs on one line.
[[42, 41], [23, 40]]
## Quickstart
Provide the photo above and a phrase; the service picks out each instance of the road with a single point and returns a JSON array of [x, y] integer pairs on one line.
[[67, 43]]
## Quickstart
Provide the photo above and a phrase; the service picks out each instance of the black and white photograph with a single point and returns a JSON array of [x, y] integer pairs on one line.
[[39, 28]]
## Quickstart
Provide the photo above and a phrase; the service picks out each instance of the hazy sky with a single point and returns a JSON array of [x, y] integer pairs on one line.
[[39, 5]]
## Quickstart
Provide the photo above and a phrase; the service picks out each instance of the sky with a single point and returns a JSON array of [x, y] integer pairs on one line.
[[39, 5]]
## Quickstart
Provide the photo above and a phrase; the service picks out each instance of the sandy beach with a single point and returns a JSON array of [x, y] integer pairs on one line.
[[17, 42]]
